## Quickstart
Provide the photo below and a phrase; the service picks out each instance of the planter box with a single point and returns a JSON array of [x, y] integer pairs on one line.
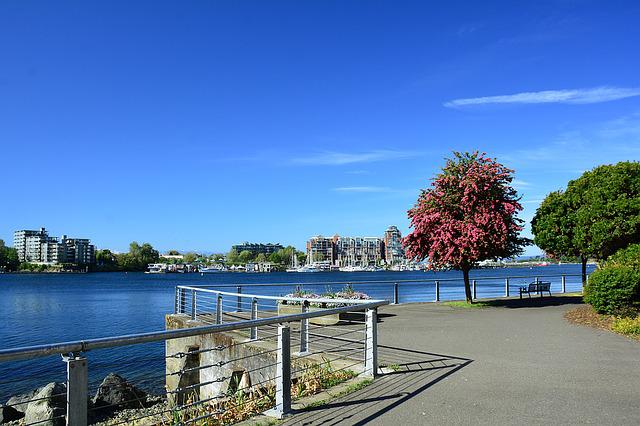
[[297, 309]]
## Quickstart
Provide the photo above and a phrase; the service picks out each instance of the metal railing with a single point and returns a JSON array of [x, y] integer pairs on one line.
[[416, 290], [226, 354]]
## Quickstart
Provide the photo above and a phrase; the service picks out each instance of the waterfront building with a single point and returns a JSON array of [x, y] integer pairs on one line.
[[257, 248], [357, 251], [78, 250], [393, 250], [39, 247], [322, 249]]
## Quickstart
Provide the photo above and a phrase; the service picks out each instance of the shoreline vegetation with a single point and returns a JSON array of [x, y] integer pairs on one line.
[[31, 268]]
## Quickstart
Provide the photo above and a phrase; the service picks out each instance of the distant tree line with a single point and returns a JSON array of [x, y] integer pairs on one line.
[[280, 257], [8, 258], [137, 259]]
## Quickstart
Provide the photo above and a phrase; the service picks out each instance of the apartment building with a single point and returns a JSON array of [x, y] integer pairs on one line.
[[322, 249], [39, 247], [257, 248], [357, 251]]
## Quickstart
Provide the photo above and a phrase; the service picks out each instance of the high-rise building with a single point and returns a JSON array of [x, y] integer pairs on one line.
[[39, 247], [393, 250]]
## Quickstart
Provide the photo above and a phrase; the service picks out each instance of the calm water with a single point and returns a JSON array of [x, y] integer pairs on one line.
[[37, 309]]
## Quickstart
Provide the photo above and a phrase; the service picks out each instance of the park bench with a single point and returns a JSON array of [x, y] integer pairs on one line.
[[537, 287]]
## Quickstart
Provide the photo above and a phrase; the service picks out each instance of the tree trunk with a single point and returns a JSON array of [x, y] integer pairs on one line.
[[583, 259], [467, 285]]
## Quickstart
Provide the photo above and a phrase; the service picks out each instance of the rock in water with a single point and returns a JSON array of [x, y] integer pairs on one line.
[[9, 414], [116, 393], [48, 407]]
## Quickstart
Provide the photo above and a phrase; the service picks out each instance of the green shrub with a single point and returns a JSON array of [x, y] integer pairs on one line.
[[628, 326], [629, 256], [614, 290]]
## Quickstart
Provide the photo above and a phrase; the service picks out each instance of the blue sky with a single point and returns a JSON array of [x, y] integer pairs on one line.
[[196, 125]]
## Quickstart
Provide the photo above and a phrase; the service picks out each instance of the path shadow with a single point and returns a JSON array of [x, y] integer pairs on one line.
[[534, 302], [412, 373]]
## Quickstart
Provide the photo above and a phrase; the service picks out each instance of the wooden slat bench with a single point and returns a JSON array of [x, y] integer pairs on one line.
[[537, 287]]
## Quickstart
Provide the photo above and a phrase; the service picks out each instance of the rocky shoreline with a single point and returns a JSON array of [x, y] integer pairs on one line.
[[114, 401]]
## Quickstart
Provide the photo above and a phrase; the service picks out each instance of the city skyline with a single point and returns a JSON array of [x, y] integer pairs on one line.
[[225, 123]]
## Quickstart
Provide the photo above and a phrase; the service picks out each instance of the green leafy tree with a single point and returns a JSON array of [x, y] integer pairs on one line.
[[232, 257], [261, 258], [190, 257], [598, 214], [173, 253], [106, 261], [8, 258], [138, 258], [245, 256]]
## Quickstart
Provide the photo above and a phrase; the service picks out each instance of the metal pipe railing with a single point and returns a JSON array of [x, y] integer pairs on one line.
[[38, 351], [380, 282]]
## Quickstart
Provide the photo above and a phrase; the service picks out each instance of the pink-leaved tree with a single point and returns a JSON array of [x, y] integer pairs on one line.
[[469, 214]]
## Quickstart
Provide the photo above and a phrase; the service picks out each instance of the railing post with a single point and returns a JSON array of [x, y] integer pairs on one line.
[[77, 390], [283, 374], [564, 283], [473, 287], [183, 300], [219, 310], [304, 330], [254, 315], [437, 291], [176, 302], [239, 304], [506, 287], [396, 294], [371, 343], [193, 305]]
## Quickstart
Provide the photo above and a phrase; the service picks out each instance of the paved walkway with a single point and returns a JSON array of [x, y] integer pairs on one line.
[[505, 365]]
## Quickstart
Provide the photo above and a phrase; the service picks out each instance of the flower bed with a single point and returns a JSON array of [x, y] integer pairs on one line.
[[288, 307]]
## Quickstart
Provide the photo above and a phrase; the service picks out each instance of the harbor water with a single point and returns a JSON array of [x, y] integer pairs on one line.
[[48, 308]]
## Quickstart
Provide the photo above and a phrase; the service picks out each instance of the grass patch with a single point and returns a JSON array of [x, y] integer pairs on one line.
[[393, 367], [462, 304], [354, 387]]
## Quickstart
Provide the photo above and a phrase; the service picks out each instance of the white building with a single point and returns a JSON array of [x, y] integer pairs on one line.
[[39, 247]]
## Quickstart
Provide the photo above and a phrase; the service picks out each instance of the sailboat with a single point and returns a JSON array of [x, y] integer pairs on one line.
[[294, 263]]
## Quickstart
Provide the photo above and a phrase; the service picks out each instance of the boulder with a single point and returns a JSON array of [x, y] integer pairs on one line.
[[9, 414], [48, 406], [115, 393], [20, 402]]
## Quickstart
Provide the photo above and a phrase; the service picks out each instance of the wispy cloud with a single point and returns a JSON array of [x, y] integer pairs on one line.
[[519, 184], [567, 96], [333, 158], [362, 189]]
